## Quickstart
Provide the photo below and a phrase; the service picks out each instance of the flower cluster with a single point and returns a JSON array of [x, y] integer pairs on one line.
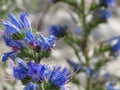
[[24, 41], [27, 45], [40, 73]]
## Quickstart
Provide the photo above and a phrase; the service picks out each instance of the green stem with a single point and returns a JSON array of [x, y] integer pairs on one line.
[[88, 84], [85, 40], [83, 14]]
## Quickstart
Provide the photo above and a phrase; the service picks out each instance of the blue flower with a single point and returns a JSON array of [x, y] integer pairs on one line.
[[31, 86], [59, 77], [108, 2], [10, 28], [37, 71], [78, 31], [46, 43], [55, 77], [15, 44], [90, 71], [9, 55], [20, 71], [105, 14], [77, 67], [57, 30], [16, 25], [111, 86], [30, 39], [116, 47]]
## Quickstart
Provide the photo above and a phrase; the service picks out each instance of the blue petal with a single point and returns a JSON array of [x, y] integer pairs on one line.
[[30, 38], [7, 55], [15, 21], [25, 20], [75, 66], [31, 86], [57, 30], [20, 62], [90, 71], [105, 14], [108, 2], [10, 28], [6, 39]]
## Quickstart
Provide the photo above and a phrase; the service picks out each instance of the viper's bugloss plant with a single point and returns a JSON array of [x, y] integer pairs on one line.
[[27, 50], [100, 13], [50, 78], [25, 43], [29, 47]]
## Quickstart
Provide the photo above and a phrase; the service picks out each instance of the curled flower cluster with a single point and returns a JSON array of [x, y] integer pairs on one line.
[[27, 45], [23, 40], [40, 73]]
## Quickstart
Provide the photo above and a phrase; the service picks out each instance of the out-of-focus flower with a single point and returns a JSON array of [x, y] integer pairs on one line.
[[111, 86], [77, 67], [31, 86], [102, 14], [116, 47], [57, 30], [90, 71], [105, 14], [108, 2], [78, 31]]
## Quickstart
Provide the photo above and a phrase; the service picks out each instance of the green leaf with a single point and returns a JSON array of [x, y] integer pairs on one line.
[[76, 81], [105, 48]]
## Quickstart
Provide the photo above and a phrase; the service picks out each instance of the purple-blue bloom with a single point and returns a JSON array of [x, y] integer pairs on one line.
[[105, 14], [31, 86], [9, 55], [111, 86], [20, 71], [16, 25], [15, 44], [77, 67], [108, 2], [90, 71], [116, 47], [30, 38], [46, 43], [38, 71], [59, 77], [57, 30]]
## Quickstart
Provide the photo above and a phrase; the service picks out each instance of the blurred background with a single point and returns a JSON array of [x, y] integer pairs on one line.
[[42, 14]]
